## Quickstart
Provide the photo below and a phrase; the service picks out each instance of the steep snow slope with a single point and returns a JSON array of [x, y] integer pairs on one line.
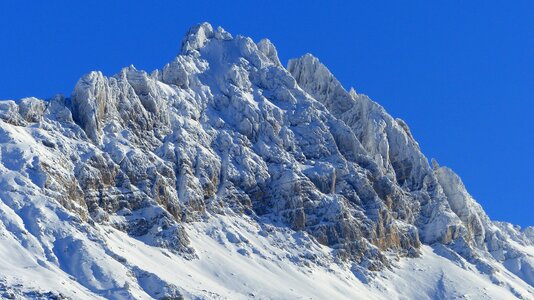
[[225, 175]]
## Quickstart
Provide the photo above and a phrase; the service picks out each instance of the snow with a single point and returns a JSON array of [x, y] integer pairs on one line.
[[236, 262], [225, 175]]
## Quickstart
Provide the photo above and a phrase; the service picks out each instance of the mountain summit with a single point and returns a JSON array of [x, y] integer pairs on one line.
[[224, 175]]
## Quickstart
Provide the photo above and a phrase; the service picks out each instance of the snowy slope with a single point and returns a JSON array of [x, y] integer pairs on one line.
[[225, 175]]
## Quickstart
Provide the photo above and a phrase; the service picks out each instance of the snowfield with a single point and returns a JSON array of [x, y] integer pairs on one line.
[[237, 259], [225, 175]]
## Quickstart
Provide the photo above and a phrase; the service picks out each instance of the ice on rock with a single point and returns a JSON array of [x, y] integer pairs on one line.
[[197, 37], [32, 109], [461, 203], [90, 103], [268, 49], [9, 112], [138, 178]]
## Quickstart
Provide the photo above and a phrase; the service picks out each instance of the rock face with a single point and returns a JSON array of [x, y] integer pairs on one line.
[[225, 129]]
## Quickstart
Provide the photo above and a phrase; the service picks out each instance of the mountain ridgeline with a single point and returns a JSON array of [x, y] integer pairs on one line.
[[225, 131]]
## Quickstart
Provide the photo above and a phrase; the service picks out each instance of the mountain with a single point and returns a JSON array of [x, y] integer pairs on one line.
[[224, 175]]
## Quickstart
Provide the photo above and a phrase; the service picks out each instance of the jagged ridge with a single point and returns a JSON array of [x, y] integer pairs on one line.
[[224, 129]]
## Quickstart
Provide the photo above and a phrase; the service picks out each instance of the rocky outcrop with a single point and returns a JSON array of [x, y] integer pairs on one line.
[[225, 129], [443, 211]]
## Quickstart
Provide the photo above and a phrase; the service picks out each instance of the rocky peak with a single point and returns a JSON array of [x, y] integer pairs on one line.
[[269, 50], [89, 104], [387, 140], [225, 130], [198, 36]]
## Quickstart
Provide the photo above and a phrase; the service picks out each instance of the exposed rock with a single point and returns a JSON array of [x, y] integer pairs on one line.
[[225, 129]]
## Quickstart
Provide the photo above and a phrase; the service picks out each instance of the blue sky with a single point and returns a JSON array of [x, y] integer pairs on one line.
[[460, 73]]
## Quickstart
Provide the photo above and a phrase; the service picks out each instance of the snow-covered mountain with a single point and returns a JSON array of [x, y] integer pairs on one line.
[[224, 175]]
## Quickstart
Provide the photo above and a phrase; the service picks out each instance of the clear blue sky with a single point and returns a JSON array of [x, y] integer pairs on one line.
[[461, 73]]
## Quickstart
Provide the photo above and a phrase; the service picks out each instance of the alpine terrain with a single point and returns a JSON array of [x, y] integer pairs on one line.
[[225, 175]]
